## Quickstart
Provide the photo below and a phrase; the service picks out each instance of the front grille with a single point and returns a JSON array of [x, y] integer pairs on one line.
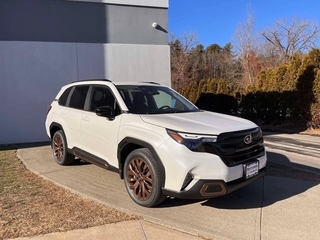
[[233, 150]]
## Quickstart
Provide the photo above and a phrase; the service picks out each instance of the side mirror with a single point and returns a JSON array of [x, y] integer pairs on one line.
[[105, 111]]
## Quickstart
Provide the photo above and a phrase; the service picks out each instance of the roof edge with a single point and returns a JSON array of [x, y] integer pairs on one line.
[[146, 3]]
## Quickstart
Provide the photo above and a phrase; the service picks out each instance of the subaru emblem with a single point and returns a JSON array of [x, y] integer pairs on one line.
[[248, 139]]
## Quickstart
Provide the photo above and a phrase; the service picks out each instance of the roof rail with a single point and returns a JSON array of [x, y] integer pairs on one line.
[[152, 83], [85, 80]]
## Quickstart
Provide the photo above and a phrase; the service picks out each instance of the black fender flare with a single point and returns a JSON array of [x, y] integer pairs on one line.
[[54, 125]]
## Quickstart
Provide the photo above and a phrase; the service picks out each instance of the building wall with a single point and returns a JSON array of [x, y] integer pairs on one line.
[[47, 43], [153, 3]]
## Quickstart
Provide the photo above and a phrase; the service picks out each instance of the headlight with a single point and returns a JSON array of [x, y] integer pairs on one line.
[[195, 142]]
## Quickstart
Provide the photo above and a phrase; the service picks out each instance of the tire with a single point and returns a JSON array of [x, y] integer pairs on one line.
[[60, 149], [142, 178]]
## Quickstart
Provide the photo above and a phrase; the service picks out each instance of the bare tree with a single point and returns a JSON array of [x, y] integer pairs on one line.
[[230, 67], [221, 63], [246, 46], [181, 51], [288, 38]]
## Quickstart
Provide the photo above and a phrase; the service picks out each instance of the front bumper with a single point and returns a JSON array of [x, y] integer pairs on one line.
[[205, 189]]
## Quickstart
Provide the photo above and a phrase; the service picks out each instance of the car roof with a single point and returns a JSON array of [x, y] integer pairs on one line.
[[92, 81]]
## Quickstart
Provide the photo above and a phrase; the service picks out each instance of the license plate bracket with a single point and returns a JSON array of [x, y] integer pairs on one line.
[[251, 169]]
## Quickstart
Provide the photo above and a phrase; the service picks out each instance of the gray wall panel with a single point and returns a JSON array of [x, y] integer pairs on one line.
[[31, 73], [53, 21], [133, 25], [65, 21], [45, 44]]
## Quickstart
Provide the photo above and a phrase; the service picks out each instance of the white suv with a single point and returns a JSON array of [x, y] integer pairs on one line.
[[159, 142]]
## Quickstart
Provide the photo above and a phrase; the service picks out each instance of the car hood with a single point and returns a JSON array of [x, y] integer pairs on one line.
[[199, 122]]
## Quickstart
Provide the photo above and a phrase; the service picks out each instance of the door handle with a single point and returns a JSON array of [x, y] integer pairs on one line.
[[86, 118]]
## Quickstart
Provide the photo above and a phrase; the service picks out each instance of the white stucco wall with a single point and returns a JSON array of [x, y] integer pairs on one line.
[[31, 73]]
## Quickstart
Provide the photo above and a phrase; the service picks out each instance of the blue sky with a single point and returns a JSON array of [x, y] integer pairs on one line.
[[215, 21]]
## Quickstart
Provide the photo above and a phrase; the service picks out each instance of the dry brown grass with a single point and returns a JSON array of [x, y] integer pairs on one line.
[[315, 132], [30, 205]]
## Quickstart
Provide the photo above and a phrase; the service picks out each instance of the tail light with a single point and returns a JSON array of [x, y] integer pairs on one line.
[[48, 109]]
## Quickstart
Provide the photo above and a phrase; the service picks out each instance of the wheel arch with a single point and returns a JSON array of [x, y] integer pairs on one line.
[[55, 127], [129, 144]]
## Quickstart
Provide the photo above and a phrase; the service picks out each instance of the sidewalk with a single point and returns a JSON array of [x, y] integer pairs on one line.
[[129, 230]]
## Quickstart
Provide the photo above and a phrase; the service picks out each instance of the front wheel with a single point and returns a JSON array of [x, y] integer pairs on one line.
[[142, 178], [60, 149]]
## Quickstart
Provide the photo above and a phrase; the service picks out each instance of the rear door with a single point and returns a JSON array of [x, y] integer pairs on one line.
[[71, 114]]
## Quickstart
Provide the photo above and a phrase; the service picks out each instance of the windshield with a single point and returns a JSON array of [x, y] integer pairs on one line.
[[154, 100]]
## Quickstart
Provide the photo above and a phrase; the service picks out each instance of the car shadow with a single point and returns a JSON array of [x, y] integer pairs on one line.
[[80, 162], [3, 147], [281, 182]]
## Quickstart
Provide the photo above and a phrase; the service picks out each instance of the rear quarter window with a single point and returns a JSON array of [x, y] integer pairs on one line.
[[63, 98]]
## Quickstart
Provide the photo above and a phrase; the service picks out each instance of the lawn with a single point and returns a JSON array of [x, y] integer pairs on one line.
[[31, 205]]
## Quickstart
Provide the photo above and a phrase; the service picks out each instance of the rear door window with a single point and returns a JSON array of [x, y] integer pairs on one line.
[[78, 97]]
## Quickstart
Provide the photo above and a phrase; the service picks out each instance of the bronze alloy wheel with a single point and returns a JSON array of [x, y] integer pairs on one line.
[[139, 178], [58, 147], [142, 178]]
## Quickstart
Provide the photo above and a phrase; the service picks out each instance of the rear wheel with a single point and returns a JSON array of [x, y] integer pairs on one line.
[[142, 178], [60, 149]]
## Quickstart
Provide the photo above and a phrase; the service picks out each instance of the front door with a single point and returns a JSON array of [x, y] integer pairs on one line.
[[99, 135]]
